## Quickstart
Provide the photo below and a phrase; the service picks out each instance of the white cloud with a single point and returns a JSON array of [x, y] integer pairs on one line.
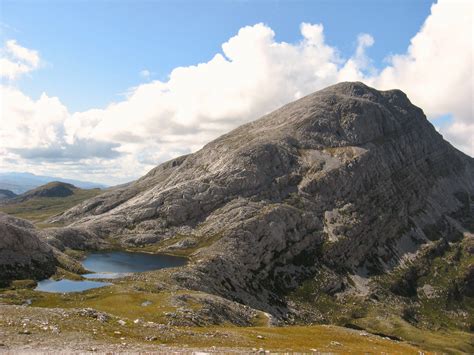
[[253, 75], [437, 70], [26, 55], [16, 60], [356, 66], [461, 135], [35, 129]]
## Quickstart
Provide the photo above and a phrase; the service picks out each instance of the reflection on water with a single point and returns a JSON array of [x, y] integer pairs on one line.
[[68, 285], [126, 262]]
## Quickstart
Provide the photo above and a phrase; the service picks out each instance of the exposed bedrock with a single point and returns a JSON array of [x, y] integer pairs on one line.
[[348, 179]]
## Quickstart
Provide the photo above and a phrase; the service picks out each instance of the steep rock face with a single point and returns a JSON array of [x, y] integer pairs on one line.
[[23, 254], [348, 179]]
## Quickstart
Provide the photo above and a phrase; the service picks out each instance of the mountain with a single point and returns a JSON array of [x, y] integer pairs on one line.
[[6, 195], [45, 201], [22, 182], [343, 207], [349, 192]]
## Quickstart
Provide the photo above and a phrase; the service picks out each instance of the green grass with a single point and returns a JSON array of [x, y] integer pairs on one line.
[[124, 299], [125, 303], [440, 322], [74, 328], [39, 209], [116, 300], [449, 340]]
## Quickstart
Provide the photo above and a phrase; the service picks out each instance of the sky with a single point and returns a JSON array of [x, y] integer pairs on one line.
[[106, 90]]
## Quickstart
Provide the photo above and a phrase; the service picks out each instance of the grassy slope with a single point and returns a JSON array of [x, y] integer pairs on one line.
[[39, 209], [440, 322], [124, 302]]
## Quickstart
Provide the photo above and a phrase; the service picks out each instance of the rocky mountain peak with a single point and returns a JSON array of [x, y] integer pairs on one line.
[[347, 182]]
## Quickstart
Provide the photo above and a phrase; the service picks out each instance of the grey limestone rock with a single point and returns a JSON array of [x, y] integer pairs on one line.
[[348, 178], [23, 254]]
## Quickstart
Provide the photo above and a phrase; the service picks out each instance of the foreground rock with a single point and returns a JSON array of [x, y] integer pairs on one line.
[[23, 254], [340, 186]]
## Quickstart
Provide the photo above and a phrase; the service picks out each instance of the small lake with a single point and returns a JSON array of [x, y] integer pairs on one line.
[[110, 265], [60, 286], [126, 262]]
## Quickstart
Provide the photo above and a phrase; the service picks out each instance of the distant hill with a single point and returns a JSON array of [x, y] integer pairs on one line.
[[45, 201], [51, 189], [6, 195], [22, 182]]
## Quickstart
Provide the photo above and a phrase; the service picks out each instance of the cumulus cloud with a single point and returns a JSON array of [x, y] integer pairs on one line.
[[359, 64], [16, 60], [82, 149], [252, 75], [35, 129], [436, 72]]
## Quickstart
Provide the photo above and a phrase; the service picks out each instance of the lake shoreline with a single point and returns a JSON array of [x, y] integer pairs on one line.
[[111, 265]]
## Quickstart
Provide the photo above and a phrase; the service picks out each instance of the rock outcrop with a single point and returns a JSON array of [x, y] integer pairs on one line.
[[23, 254], [347, 182]]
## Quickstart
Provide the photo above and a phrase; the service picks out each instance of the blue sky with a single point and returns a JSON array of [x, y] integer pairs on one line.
[[93, 51], [106, 90]]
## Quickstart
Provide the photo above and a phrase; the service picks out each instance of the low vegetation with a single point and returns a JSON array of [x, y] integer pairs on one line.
[[132, 325], [39, 209], [427, 302]]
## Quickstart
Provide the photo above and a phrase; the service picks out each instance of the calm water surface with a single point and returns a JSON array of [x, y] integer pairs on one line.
[[68, 285], [127, 262], [109, 265]]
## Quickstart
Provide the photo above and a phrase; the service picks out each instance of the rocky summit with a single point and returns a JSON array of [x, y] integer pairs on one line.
[[340, 187]]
